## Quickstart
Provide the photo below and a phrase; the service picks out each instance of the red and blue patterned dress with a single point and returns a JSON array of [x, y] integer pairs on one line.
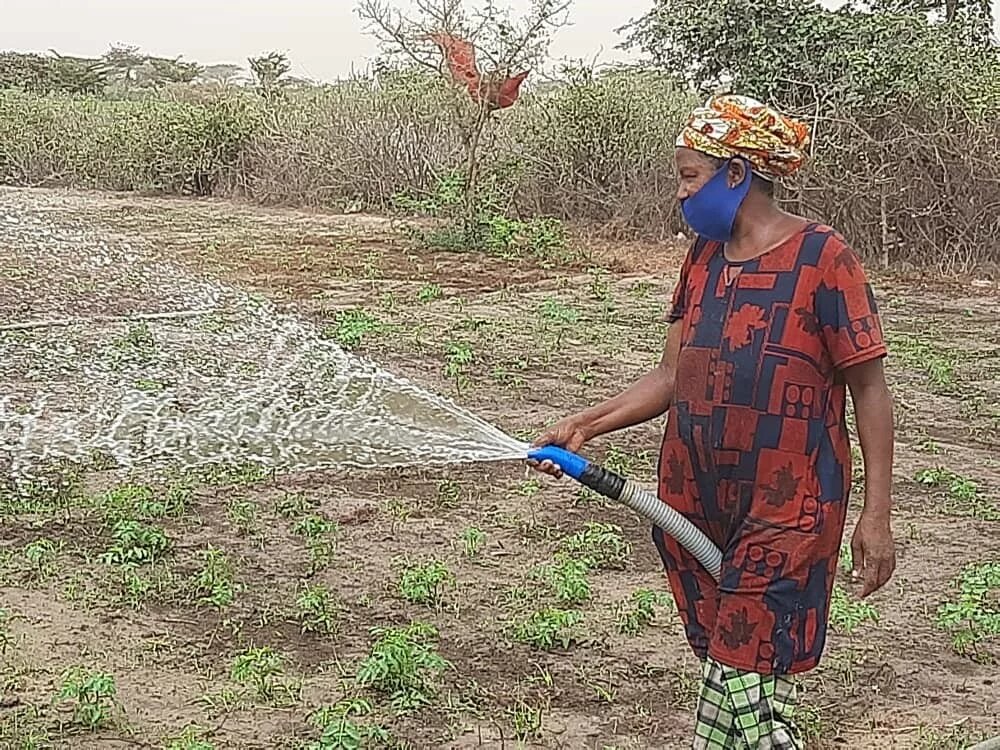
[[756, 450]]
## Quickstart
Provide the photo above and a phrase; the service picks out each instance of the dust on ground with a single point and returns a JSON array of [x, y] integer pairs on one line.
[[265, 605]]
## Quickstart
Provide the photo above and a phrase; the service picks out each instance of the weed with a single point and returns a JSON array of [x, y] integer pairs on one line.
[[341, 729], [846, 559], [548, 628], [449, 493], [975, 617], [92, 693], [39, 558], [472, 540], [318, 532], [263, 669], [352, 327], [429, 293], [599, 545], [294, 505], [458, 356], [136, 344], [526, 720], [938, 365], [404, 665], [214, 583], [635, 613], [962, 496], [191, 738], [424, 583], [568, 580], [135, 543], [243, 514], [847, 614], [950, 738], [316, 610], [142, 501]]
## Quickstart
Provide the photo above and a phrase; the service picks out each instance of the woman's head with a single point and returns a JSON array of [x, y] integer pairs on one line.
[[730, 149]]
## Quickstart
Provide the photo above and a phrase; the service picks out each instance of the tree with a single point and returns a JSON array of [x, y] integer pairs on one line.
[[487, 53], [224, 73], [269, 71], [800, 54], [125, 60]]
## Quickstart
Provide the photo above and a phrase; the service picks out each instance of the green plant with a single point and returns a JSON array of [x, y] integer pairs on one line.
[[214, 583], [458, 357], [135, 543], [961, 497], [635, 613], [93, 695], [191, 738], [39, 558], [263, 669], [404, 664], [319, 533], [341, 728], [429, 293], [352, 327], [526, 720], [472, 540], [568, 580], [599, 545], [847, 614], [243, 513], [316, 609], [549, 628], [975, 617], [424, 583]]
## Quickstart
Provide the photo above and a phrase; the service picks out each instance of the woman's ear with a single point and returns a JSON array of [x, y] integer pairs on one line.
[[737, 172]]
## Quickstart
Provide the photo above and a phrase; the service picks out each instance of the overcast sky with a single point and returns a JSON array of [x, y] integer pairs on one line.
[[323, 38]]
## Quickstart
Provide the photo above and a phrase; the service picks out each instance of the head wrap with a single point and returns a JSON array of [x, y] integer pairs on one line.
[[729, 126]]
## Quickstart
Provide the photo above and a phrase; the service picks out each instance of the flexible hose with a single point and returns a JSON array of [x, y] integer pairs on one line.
[[643, 502]]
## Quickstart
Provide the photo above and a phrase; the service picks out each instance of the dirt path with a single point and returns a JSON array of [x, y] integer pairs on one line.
[[259, 606]]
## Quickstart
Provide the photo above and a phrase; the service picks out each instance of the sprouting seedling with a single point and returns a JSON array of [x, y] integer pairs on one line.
[[568, 579], [316, 610], [635, 613], [599, 545], [319, 533], [93, 694], [263, 669], [975, 616], [191, 738], [429, 293], [549, 628], [424, 583], [472, 540], [39, 557], [342, 729], [847, 614], [214, 583], [135, 543], [458, 357]]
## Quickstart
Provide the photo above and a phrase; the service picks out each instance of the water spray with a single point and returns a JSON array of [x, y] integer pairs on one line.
[[649, 506]]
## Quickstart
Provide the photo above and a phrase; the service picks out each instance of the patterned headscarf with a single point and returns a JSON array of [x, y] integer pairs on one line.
[[729, 126]]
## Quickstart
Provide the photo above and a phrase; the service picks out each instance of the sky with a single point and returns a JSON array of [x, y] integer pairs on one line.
[[324, 39]]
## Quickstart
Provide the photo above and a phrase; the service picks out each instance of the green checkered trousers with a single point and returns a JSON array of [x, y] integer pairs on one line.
[[740, 710]]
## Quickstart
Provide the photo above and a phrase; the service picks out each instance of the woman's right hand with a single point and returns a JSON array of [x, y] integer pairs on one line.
[[570, 433]]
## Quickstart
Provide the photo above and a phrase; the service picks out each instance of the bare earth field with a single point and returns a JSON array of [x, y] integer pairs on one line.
[[480, 605]]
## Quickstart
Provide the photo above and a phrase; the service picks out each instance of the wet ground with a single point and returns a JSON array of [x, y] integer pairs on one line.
[[234, 605]]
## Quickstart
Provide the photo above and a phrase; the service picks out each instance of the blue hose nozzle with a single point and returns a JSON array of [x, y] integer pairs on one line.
[[570, 463]]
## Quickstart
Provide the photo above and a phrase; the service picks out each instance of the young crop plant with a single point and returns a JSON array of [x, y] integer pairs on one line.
[[599, 545], [549, 628], [263, 670], [635, 613], [93, 696], [425, 583], [848, 614], [404, 664], [974, 619]]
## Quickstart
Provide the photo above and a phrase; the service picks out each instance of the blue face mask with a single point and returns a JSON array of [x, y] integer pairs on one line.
[[712, 211]]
